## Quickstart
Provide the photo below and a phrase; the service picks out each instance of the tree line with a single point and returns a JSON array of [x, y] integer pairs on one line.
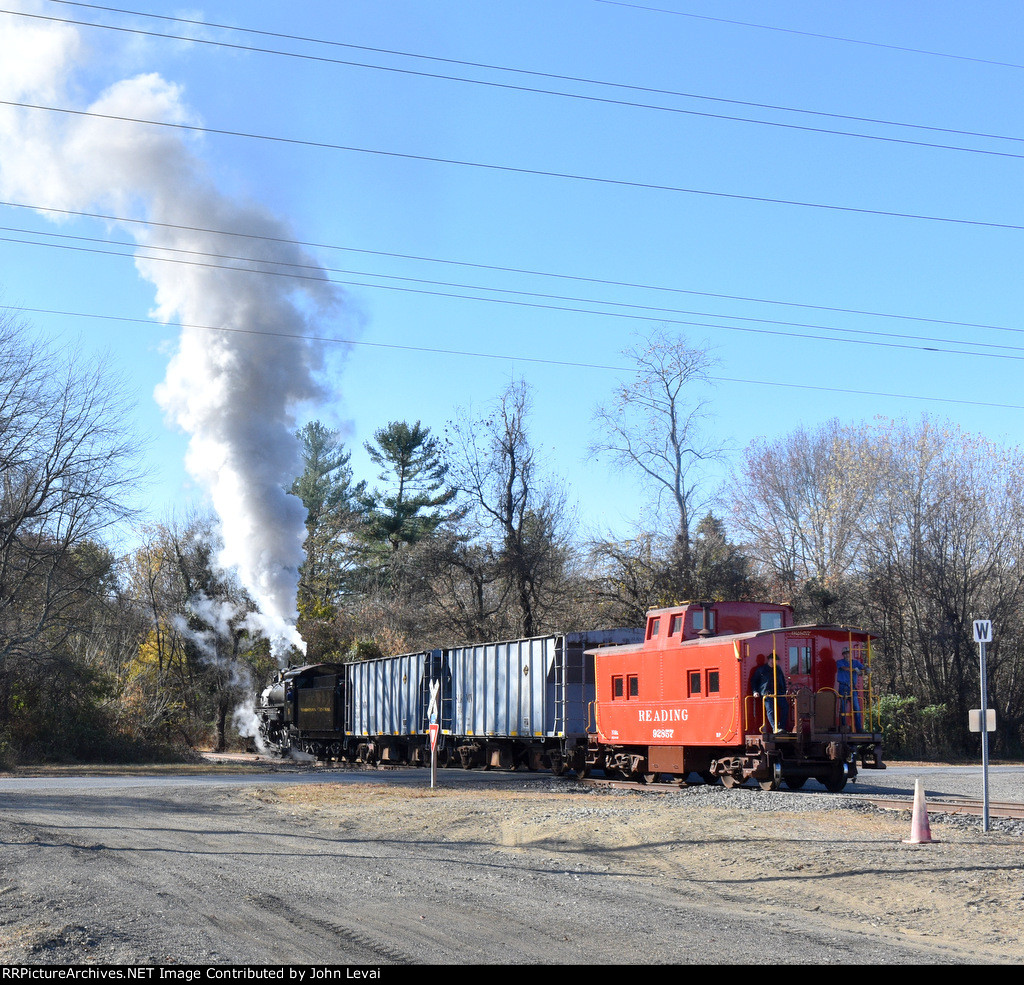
[[465, 534]]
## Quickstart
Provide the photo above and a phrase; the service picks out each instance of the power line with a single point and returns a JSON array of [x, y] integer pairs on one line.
[[517, 358], [637, 311], [127, 220], [508, 169], [809, 34], [545, 75]]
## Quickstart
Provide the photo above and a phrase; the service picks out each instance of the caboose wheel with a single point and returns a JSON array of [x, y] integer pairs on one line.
[[730, 780], [649, 777], [772, 784], [794, 782]]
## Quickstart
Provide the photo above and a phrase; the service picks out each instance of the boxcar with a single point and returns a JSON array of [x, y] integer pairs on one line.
[[524, 702], [388, 705]]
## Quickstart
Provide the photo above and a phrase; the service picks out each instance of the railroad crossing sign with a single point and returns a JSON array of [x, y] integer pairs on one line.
[[435, 687], [434, 727]]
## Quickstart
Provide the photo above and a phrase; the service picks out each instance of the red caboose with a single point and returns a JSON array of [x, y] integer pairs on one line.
[[734, 691]]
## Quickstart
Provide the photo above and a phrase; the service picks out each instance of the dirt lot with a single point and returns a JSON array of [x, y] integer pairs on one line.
[[960, 897], [377, 873]]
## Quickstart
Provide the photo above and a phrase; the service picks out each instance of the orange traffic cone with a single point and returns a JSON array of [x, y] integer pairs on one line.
[[920, 830]]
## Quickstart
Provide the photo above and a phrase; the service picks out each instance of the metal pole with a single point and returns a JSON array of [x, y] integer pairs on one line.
[[775, 688], [984, 735]]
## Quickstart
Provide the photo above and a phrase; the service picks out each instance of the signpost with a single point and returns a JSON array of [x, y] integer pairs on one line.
[[983, 635], [434, 727]]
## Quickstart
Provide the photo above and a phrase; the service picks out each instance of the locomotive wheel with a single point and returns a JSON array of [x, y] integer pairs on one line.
[[795, 782], [772, 784], [835, 781]]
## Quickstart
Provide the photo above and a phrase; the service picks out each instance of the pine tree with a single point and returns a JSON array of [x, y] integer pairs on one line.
[[411, 465], [332, 503]]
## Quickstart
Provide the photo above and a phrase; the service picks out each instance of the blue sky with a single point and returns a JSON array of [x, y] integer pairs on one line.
[[869, 244]]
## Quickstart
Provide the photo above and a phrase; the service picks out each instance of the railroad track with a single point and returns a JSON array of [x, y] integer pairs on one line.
[[949, 805], [936, 805]]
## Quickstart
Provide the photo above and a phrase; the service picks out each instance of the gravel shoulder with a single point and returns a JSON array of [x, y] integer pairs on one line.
[[374, 872]]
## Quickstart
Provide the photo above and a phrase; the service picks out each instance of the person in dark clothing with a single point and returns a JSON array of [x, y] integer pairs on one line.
[[771, 688]]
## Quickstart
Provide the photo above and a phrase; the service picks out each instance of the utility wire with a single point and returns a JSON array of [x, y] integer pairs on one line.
[[640, 313], [809, 34], [106, 217], [544, 75], [517, 358], [317, 272], [508, 169]]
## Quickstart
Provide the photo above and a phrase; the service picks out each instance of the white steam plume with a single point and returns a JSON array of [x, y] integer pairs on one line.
[[233, 390]]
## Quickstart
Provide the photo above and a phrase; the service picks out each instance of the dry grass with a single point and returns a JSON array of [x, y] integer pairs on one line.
[[381, 793]]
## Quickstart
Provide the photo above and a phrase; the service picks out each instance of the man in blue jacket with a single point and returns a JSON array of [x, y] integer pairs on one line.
[[849, 678]]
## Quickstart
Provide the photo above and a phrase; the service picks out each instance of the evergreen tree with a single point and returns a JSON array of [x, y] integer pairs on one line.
[[333, 509], [410, 508], [720, 568]]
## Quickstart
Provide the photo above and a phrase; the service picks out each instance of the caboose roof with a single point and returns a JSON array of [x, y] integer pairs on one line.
[[657, 643]]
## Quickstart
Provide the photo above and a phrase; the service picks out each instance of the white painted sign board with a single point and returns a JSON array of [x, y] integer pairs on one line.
[[974, 720]]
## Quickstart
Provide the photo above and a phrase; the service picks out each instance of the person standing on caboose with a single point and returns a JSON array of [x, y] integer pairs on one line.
[[771, 688], [849, 683]]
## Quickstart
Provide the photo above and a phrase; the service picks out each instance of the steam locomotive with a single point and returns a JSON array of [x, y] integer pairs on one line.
[[727, 692]]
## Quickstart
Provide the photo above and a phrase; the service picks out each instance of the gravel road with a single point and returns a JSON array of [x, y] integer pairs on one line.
[[377, 869]]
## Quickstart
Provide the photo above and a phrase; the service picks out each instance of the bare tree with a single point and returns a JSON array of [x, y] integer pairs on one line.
[[804, 502], [68, 469], [495, 465], [199, 656], [946, 547], [914, 530], [626, 579], [654, 425]]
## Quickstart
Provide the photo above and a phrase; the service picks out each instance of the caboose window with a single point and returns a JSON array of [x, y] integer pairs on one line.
[[634, 686], [616, 687], [771, 620], [694, 682], [799, 659], [652, 628], [698, 620], [712, 682], [676, 626]]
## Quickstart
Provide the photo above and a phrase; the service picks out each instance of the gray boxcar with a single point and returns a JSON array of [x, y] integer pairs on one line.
[[524, 701]]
